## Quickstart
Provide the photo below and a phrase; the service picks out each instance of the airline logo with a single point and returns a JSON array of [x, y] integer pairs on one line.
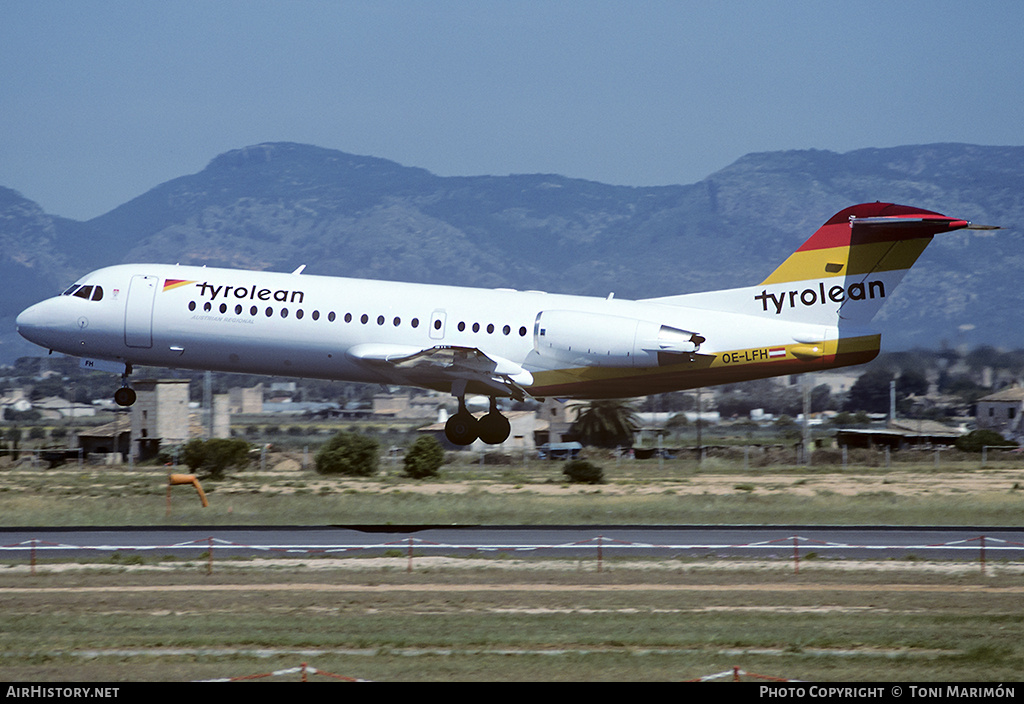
[[170, 284], [819, 296], [241, 293]]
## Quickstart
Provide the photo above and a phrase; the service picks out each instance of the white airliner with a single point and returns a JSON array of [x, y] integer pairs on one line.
[[811, 314]]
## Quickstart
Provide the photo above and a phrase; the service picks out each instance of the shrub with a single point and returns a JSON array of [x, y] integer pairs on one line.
[[215, 455], [424, 458], [583, 472], [977, 439], [348, 453]]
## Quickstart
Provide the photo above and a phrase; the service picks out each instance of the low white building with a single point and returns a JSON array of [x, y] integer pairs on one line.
[[16, 400], [56, 408], [1002, 412]]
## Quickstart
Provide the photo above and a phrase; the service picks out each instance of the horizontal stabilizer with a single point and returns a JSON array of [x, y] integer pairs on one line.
[[907, 223]]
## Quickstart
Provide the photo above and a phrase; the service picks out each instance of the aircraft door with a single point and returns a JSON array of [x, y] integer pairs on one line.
[[437, 325], [138, 311]]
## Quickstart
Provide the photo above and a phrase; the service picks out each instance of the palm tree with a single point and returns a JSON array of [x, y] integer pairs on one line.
[[606, 423]]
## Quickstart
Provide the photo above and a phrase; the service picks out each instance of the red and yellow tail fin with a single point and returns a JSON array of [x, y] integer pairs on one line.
[[852, 263], [842, 275]]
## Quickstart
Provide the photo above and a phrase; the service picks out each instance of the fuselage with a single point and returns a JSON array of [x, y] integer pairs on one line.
[[315, 326]]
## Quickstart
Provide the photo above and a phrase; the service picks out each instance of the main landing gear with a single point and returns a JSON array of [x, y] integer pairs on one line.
[[462, 428], [125, 396]]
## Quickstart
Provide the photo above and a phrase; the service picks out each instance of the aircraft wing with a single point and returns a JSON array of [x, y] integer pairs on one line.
[[448, 363]]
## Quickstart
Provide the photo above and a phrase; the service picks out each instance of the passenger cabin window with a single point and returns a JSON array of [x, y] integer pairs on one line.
[[95, 293]]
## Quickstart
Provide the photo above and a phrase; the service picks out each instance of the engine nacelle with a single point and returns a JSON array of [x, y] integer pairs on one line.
[[599, 340]]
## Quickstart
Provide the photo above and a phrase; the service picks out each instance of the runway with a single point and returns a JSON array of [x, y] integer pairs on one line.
[[764, 542]]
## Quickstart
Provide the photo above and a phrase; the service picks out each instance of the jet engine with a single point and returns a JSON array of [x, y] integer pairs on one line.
[[599, 340]]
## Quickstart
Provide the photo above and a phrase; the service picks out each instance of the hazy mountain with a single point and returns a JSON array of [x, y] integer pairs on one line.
[[276, 206]]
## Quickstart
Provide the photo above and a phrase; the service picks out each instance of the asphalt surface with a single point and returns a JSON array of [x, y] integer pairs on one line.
[[767, 542]]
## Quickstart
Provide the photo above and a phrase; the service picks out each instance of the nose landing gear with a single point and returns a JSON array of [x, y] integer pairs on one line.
[[125, 396]]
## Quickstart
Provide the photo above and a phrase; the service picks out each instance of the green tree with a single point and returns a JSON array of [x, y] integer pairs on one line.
[[348, 453], [845, 419], [983, 356], [215, 456], [870, 393], [677, 423], [424, 458], [14, 435], [606, 423], [821, 398], [912, 383], [788, 428], [963, 387]]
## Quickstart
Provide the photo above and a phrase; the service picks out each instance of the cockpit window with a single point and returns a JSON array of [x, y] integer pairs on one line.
[[89, 293]]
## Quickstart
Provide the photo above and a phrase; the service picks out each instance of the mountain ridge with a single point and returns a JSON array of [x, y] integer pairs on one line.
[[279, 205]]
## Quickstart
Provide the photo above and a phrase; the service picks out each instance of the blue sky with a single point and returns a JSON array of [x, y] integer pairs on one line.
[[102, 100]]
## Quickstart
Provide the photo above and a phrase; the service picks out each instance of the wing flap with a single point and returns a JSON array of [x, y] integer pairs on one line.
[[448, 363]]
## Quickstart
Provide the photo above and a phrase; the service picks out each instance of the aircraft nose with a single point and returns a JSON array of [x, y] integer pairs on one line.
[[35, 321], [28, 319]]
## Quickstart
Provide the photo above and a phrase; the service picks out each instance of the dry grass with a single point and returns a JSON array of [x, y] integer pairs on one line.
[[513, 620], [719, 491], [501, 620]]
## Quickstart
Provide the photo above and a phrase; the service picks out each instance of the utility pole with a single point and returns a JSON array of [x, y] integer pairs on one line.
[[700, 422], [806, 389], [208, 403], [892, 402]]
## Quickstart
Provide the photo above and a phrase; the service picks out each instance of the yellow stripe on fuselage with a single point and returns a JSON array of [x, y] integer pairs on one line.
[[706, 370]]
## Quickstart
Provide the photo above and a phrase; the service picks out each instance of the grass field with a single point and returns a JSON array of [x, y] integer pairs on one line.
[[512, 620], [719, 490]]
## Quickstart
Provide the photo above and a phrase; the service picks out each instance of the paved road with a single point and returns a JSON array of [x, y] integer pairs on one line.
[[960, 543]]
